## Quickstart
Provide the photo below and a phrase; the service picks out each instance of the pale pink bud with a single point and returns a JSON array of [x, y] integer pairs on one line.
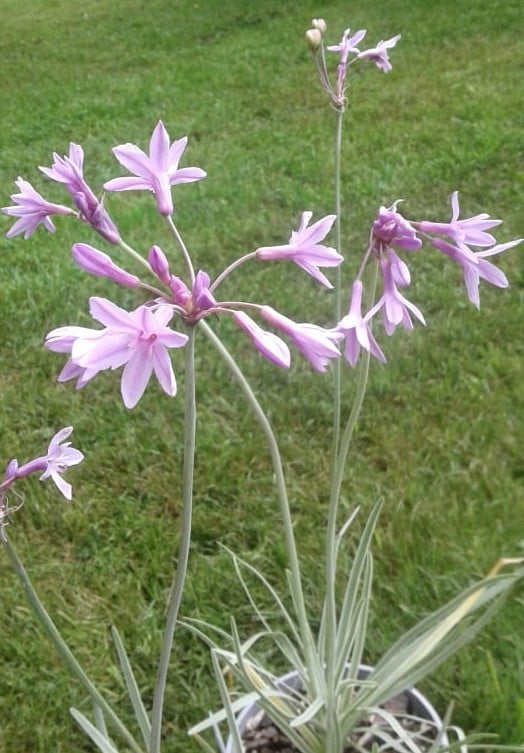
[[313, 39], [101, 265], [320, 24]]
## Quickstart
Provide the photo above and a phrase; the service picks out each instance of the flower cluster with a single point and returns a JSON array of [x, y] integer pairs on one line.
[[349, 53], [174, 297], [139, 340]]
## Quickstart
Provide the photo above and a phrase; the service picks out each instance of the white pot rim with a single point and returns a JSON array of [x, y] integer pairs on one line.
[[415, 695]]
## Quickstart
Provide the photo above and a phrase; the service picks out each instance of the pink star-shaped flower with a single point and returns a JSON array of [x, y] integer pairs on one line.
[[155, 172]]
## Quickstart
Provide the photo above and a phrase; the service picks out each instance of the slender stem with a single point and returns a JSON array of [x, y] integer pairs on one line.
[[330, 602], [183, 248], [296, 581], [134, 254], [338, 276], [63, 649], [175, 596], [232, 266], [362, 382]]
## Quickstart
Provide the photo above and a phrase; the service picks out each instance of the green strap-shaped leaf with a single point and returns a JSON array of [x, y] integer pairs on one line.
[[100, 740], [132, 689]]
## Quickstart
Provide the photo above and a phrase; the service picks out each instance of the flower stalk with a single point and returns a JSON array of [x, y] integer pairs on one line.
[[60, 645], [177, 589]]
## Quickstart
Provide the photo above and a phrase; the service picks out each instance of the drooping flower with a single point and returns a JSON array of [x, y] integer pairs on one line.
[[395, 307], [304, 248], [69, 170], [475, 267], [137, 340], [471, 230], [32, 210], [101, 265], [267, 343], [317, 344], [59, 457], [155, 172], [379, 54], [357, 330]]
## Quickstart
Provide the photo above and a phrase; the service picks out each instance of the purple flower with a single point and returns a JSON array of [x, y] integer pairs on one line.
[[156, 172], [469, 231], [268, 344], [32, 210], [137, 340], [379, 54], [348, 44], [395, 308], [357, 330], [159, 264], [59, 457], [392, 229], [203, 299], [101, 265], [304, 248], [69, 170], [475, 267], [317, 344]]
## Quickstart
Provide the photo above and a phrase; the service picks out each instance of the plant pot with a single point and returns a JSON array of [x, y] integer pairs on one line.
[[417, 705]]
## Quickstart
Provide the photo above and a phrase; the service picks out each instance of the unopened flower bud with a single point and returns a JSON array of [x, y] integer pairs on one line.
[[320, 24], [313, 39]]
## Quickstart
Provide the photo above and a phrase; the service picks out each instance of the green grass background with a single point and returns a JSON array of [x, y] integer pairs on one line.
[[441, 434]]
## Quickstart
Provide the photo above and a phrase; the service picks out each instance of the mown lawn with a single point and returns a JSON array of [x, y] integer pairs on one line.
[[441, 433]]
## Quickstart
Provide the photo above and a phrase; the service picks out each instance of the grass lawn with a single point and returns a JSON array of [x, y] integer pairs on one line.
[[441, 433]]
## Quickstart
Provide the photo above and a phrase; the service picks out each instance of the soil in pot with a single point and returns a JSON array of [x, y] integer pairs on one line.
[[261, 735]]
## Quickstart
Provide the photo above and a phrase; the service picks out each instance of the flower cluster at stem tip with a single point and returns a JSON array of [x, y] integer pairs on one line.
[[139, 340], [59, 456], [174, 297]]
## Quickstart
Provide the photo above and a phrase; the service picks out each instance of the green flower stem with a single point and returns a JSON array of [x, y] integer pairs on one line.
[[185, 539], [362, 382], [330, 602], [337, 367], [135, 254], [297, 594], [62, 648], [183, 248]]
